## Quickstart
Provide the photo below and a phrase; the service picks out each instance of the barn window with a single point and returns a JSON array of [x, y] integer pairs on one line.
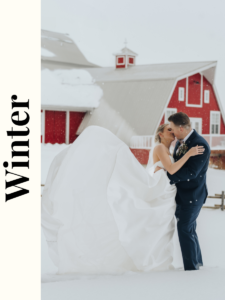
[[120, 60], [196, 123], [131, 60], [181, 94], [169, 112], [206, 96], [214, 122]]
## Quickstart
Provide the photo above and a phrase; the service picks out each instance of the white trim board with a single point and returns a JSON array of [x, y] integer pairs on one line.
[[43, 126], [219, 102], [65, 108], [67, 126]]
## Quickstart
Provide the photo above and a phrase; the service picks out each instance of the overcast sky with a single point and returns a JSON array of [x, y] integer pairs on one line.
[[159, 31]]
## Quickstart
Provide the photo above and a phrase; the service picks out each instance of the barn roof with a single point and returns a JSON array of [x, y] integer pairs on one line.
[[134, 99], [69, 89], [59, 47], [150, 72]]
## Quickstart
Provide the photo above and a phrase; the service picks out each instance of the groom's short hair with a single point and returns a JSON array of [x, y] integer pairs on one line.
[[180, 119]]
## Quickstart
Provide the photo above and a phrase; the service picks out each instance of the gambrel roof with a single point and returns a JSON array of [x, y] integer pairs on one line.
[[134, 99], [59, 47]]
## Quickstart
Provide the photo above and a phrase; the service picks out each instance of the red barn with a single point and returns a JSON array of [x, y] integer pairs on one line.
[[135, 99]]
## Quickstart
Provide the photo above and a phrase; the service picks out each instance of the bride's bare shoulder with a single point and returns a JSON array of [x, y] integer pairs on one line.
[[159, 148]]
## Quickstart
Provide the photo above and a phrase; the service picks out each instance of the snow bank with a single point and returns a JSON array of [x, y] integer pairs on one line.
[[69, 88], [206, 284]]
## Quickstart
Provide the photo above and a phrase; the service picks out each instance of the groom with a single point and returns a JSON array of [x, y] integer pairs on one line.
[[192, 191]]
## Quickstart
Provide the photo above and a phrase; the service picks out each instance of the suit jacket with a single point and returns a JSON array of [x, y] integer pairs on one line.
[[190, 180]]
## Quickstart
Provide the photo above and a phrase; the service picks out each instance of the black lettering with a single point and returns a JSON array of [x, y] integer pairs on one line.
[[20, 153], [20, 122], [19, 104], [14, 183], [18, 133]]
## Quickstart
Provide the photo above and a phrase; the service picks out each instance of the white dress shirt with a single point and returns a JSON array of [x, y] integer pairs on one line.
[[186, 137]]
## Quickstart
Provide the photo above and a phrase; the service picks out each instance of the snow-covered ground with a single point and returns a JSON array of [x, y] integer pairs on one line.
[[206, 284]]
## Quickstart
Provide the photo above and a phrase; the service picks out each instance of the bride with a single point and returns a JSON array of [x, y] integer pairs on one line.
[[103, 212]]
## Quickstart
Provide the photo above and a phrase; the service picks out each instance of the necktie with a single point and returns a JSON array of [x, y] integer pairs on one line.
[[181, 142]]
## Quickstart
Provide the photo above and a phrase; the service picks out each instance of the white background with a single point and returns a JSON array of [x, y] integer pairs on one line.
[[20, 217]]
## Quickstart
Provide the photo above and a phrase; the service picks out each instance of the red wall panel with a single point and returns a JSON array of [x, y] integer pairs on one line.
[[163, 120], [194, 89], [75, 120], [55, 127], [49, 126], [60, 127]]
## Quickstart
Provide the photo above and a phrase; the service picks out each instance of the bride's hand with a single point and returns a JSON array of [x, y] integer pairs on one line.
[[196, 150], [157, 169]]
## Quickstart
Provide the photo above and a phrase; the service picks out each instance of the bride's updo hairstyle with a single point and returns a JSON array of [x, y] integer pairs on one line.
[[160, 129]]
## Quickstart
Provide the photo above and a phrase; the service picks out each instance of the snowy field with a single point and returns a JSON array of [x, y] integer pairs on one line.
[[206, 284]]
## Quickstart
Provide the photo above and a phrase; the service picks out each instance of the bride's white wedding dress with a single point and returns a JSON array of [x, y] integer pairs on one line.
[[103, 212]]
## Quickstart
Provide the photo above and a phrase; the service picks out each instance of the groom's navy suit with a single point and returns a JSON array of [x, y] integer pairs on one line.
[[192, 192]]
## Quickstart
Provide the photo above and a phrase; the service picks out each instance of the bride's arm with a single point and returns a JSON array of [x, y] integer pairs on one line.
[[174, 167]]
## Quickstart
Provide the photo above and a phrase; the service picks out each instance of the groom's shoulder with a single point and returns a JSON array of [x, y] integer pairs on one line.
[[200, 141]]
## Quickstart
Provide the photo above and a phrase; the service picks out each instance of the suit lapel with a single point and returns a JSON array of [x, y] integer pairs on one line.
[[175, 149], [187, 142]]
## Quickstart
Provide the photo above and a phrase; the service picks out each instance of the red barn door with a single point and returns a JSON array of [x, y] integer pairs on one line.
[[75, 120], [55, 127]]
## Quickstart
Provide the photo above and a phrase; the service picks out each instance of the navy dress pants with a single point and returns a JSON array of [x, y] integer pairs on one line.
[[186, 215]]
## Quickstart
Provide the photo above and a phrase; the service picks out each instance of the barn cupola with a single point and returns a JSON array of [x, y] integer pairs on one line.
[[125, 58]]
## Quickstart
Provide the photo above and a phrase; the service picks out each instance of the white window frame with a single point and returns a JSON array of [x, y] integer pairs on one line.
[[181, 92], [201, 92], [124, 60], [211, 113], [206, 96], [43, 125], [174, 110], [200, 122]]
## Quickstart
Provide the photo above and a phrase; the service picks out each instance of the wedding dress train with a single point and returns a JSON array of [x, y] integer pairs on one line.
[[103, 212]]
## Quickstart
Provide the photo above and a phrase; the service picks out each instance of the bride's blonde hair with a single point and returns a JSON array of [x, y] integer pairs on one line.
[[160, 129]]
